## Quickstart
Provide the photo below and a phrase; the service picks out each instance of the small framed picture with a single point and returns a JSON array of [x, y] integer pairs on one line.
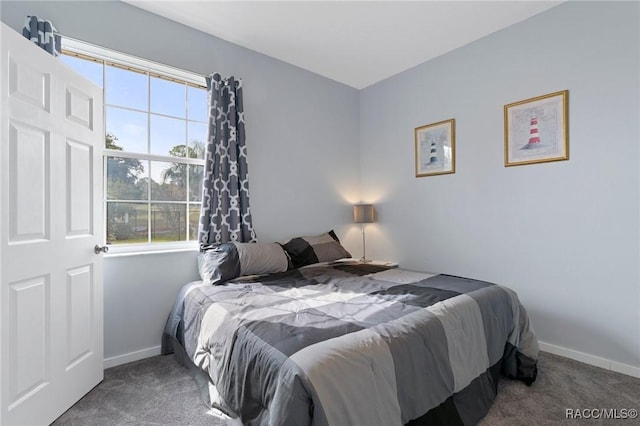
[[435, 148], [536, 130]]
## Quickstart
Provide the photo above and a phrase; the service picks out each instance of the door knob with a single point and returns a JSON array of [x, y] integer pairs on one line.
[[100, 249]]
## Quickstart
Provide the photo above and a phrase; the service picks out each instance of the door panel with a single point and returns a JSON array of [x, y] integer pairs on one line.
[[79, 107], [79, 185], [29, 188], [51, 339], [29, 337], [29, 84], [79, 315]]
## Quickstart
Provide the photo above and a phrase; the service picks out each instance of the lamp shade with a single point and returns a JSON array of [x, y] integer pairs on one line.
[[363, 213]]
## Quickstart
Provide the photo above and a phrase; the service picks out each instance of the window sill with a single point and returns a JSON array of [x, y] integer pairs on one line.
[[146, 249]]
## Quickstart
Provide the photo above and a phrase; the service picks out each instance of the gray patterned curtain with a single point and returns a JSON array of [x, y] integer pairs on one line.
[[42, 33], [225, 214]]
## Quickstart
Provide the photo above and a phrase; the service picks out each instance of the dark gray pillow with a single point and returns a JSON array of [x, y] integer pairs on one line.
[[220, 263], [313, 249]]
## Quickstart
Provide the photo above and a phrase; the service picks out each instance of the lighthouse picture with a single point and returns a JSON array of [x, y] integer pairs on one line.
[[433, 158], [435, 148], [534, 136], [536, 130]]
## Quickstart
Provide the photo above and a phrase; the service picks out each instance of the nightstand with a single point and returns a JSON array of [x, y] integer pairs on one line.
[[382, 263]]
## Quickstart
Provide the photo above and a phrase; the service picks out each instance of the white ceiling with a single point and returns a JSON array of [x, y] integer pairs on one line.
[[357, 43]]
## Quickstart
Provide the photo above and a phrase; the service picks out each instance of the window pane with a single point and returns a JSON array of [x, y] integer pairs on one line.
[[127, 223], [194, 221], [195, 182], [127, 179], [168, 136], [168, 222], [90, 69], [168, 97], [126, 88], [197, 104], [168, 181], [197, 138], [128, 129]]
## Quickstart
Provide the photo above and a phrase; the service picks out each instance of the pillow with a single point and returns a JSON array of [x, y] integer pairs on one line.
[[320, 248], [220, 263]]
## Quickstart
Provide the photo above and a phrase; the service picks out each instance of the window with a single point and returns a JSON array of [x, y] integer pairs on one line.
[[156, 129]]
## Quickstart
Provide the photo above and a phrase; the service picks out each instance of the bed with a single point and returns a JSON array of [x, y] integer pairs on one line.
[[347, 343]]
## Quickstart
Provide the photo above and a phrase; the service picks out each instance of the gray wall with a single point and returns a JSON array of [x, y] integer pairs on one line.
[[302, 137], [564, 235]]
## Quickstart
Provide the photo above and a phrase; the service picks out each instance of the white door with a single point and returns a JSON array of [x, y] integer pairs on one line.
[[51, 345]]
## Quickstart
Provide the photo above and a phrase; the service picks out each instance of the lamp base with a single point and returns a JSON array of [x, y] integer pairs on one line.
[[364, 260]]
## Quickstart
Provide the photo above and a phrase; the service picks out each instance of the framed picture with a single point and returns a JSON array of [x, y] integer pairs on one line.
[[435, 148], [536, 130]]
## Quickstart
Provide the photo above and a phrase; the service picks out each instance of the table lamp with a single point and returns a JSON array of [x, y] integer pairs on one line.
[[363, 213]]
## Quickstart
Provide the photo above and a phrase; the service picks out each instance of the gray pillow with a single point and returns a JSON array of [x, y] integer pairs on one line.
[[220, 263]]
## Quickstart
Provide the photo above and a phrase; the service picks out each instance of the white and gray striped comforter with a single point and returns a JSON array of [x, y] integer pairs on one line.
[[354, 345]]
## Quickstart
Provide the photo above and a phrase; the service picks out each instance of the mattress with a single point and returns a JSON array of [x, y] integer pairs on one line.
[[353, 344]]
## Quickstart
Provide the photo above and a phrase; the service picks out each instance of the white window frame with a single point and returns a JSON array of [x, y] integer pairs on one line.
[[155, 69]]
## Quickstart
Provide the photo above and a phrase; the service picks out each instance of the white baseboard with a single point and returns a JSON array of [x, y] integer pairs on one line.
[[131, 356], [597, 361]]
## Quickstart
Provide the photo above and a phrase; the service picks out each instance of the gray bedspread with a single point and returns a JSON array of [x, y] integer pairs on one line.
[[354, 345]]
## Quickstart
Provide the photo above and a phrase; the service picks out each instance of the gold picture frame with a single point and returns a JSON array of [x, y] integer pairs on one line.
[[536, 130], [435, 148]]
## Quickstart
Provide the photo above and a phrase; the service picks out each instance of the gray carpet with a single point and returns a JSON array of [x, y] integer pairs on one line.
[[563, 384], [159, 391], [152, 391]]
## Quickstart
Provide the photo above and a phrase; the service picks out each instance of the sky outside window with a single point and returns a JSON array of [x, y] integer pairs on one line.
[[125, 88], [129, 127], [90, 69], [168, 97], [197, 137], [167, 134], [197, 102]]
